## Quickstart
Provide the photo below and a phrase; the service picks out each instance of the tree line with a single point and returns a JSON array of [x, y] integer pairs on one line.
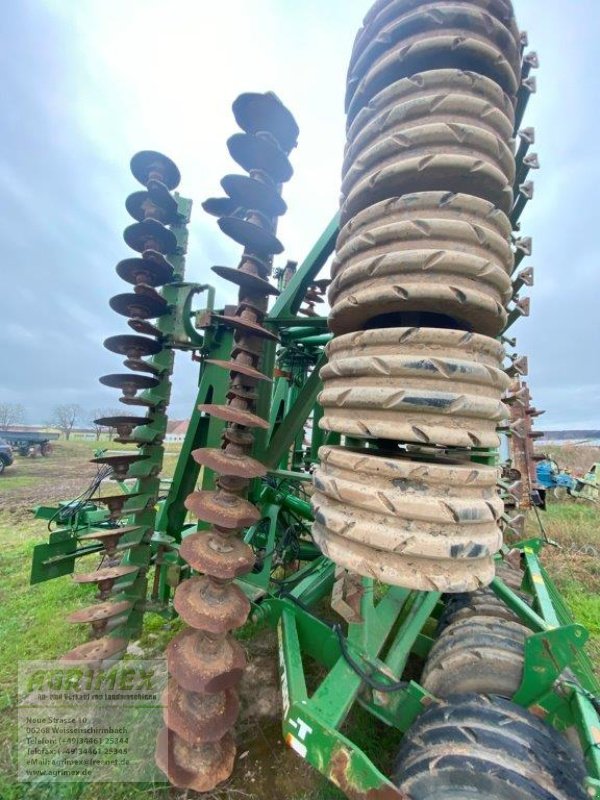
[[65, 417]]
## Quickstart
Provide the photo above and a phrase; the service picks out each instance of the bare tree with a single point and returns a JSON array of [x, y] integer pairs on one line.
[[100, 413], [65, 416], [11, 414], [95, 414]]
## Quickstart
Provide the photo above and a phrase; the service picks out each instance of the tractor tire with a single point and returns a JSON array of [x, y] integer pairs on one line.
[[511, 576], [478, 654], [484, 747], [2, 466], [482, 603]]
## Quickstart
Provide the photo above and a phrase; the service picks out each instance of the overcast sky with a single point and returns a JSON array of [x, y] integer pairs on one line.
[[86, 83]]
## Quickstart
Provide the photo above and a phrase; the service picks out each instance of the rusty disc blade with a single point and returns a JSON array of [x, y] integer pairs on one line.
[[145, 270], [250, 235], [242, 466], [155, 205], [241, 369], [150, 165], [141, 326], [116, 501], [257, 152], [105, 574], [246, 280], [122, 422], [129, 382], [100, 611], [197, 768], [246, 343], [96, 651], [139, 401], [132, 346], [199, 718], [238, 435], [224, 509], [248, 192], [221, 207], [253, 328], [139, 306], [216, 555], [197, 604], [244, 392], [150, 235], [234, 415], [139, 365], [255, 112], [119, 463], [197, 670]]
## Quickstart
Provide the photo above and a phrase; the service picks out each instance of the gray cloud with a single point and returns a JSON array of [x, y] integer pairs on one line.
[[85, 85]]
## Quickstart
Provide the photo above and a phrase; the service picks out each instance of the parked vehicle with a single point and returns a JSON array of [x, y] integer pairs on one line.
[[6, 455], [30, 443]]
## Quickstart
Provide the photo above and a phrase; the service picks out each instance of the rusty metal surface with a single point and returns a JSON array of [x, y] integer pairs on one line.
[[422, 252], [150, 235], [105, 578], [414, 36], [200, 767], [211, 604], [232, 460], [120, 463], [97, 651], [132, 346], [147, 271], [240, 368], [200, 664], [222, 508], [156, 204], [234, 415], [423, 385], [138, 306], [149, 165], [216, 554], [128, 383], [339, 772], [522, 455], [204, 658], [109, 538], [98, 612], [115, 503], [199, 718], [109, 533], [255, 112], [251, 281], [123, 425], [423, 525], [255, 191], [100, 616], [246, 322]]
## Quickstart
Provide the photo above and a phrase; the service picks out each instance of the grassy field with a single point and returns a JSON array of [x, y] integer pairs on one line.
[[32, 626]]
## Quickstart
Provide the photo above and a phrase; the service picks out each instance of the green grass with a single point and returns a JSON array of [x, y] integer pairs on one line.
[[574, 564], [32, 624]]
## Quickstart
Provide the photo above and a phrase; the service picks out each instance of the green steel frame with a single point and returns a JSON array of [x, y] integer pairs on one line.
[[395, 623]]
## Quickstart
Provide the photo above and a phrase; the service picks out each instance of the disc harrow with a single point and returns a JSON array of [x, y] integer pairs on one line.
[[356, 467], [125, 548], [204, 659]]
